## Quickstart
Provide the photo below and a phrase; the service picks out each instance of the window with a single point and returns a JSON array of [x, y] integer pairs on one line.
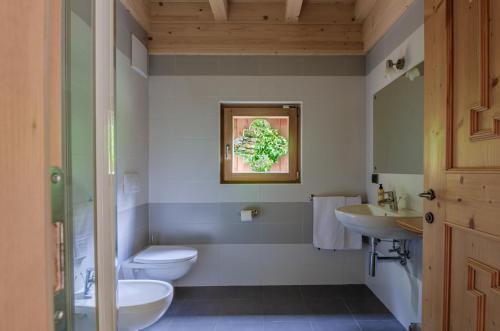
[[260, 143]]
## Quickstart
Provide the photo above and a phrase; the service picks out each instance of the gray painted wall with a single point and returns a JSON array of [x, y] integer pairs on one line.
[[219, 223], [242, 65], [132, 140]]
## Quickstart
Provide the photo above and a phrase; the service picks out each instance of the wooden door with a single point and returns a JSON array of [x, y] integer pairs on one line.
[[462, 164], [30, 136]]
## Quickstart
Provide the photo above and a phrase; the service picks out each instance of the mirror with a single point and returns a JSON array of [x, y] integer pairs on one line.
[[398, 125]]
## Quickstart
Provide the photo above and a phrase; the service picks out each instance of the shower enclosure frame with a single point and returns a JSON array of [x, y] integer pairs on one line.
[[104, 200]]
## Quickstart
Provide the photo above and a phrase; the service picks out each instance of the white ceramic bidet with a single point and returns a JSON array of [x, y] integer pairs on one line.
[[140, 304]]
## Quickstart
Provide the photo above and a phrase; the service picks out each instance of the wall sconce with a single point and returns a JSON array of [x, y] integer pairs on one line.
[[398, 65]]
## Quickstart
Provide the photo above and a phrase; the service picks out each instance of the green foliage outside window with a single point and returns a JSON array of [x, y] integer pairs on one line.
[[261, 146]]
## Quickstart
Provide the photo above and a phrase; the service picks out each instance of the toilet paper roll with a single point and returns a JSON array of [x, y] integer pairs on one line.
[[246, 215]]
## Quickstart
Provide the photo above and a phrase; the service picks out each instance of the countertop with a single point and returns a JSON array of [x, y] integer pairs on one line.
[[413, 224]]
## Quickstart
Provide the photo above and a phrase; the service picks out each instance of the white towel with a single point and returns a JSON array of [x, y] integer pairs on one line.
[[328, 232]]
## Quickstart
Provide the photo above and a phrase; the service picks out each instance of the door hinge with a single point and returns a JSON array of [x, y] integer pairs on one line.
[[58, 215]]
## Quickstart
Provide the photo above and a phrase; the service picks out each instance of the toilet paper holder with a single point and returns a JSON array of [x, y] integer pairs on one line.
[[254, 211]]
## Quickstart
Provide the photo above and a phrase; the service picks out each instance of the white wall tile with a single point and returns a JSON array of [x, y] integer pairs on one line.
[[357, 262], [281, 264], [273, 264], [323, 266], [238, 88], [240, 265], [275, 88], [132, 132], [184, 135]]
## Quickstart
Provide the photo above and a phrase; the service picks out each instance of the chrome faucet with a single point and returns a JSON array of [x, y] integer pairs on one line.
[[391, 200], [89, 281]]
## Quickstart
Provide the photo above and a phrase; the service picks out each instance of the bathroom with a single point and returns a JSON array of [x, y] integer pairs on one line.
[[252, 165], [169, 190]]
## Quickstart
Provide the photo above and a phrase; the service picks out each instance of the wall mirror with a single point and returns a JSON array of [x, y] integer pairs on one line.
[[398, 124]]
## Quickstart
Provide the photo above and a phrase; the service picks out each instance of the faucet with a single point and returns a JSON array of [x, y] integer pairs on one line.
[[89, 281], [391, 200]]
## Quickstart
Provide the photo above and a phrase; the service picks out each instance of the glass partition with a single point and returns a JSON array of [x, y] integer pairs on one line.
[[80, 161]]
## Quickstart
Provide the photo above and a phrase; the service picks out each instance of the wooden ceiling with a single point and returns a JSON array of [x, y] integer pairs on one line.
[[292, 27]]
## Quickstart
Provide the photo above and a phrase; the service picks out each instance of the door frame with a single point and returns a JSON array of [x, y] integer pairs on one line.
[[105, 166], [25, 155], [435, 138]]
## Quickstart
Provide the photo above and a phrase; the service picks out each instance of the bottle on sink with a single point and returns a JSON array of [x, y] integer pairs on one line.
[[380, 195]]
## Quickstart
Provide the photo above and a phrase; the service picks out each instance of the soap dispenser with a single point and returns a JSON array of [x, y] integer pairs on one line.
[[381, 195]]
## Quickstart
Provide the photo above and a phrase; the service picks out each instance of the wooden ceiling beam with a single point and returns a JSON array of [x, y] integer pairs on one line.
[[270, 13], [362, 9], [220, 9], [292, 11]]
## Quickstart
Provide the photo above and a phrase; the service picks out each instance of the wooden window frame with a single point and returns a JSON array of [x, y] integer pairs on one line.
[[228, 111]]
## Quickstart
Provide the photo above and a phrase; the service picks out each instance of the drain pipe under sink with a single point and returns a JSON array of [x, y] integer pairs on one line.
[[398, 246]]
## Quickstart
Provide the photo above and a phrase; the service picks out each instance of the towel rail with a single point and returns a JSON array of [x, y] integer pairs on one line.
[[334, 195]]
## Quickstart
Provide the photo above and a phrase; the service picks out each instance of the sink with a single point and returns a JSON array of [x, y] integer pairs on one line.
[[376, 221]]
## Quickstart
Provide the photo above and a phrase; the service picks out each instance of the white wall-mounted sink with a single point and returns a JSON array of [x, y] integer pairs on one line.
[[376, 221]]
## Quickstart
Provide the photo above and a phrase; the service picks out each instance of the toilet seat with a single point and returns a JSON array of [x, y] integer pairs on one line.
[[160, 262], [162, 254]]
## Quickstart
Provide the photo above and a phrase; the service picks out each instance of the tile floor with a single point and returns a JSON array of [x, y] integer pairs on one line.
[[276, 308]]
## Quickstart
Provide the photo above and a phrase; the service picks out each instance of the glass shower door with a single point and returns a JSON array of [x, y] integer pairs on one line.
[[79, 112]]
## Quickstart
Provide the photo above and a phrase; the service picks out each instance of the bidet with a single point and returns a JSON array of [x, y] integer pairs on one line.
[[140, 304]]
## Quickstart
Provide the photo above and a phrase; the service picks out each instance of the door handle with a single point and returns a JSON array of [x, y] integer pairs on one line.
[[429, 195]]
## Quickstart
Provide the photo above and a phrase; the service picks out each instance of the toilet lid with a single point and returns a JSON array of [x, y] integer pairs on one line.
[[165, 254]]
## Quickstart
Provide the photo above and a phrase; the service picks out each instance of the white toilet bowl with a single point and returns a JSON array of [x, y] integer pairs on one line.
[[140, 304], [160, 262]]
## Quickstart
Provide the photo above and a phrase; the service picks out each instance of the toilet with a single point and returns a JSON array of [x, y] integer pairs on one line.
[[160, 262]]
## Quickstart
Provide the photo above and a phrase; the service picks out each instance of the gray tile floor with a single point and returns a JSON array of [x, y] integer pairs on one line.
[[276, 308]]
